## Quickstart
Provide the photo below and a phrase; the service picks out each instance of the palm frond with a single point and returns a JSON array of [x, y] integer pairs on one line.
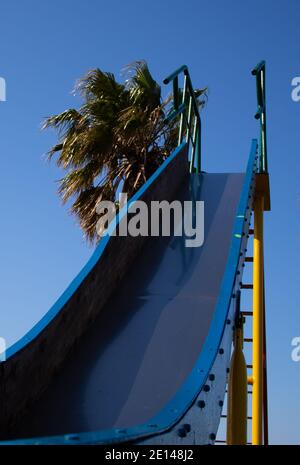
[[114, 141], [143, 89]]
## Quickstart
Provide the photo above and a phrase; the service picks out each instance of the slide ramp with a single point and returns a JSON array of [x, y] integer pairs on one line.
[[141, 349], [144, 344]]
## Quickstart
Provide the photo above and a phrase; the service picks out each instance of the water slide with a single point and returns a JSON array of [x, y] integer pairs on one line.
[[137, 349]]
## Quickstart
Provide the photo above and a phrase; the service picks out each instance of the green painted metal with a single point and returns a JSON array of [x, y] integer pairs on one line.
[[188, 110], [260, 73]]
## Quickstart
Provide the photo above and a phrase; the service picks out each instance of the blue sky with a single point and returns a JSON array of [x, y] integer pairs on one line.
[[46, 46]]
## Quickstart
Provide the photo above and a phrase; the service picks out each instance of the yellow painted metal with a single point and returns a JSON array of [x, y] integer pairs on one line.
[[257, 392], [237, 393]]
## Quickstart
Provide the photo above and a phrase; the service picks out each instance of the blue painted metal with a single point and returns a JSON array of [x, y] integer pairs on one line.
[[173, 75], [186, 397], [260, 73], [67, 294]]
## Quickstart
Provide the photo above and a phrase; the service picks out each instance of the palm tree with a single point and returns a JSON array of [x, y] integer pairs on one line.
[[114, 142]]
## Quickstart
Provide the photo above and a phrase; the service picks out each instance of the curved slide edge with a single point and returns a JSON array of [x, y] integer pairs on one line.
[[32, 362], [211, 367]]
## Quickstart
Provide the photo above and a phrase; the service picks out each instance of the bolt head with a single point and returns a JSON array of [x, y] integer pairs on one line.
[[187, 427], [201, 404], [181, 432]]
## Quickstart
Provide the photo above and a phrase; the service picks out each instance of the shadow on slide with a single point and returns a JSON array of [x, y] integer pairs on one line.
[[145, 342]]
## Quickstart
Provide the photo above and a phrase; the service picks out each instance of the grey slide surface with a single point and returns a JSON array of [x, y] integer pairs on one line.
[[145, 343]]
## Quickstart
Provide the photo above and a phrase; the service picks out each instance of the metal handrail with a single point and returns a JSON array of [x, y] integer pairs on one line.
[[260, 73], [189, 115]]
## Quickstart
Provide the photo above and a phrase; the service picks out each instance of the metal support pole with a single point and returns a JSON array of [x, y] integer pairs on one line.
[[237, 388], [258, 321], [182, 116], [265, 375]]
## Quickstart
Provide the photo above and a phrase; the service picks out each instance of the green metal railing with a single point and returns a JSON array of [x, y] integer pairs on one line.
[[260, 73], [186, 106]]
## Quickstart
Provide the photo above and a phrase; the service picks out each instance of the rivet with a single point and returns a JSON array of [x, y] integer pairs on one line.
[[221, 403], [212, 436], [187, 427], [211, 377], [181, 432], [221, 351], [206, 388], [201, 404], [228, 321]]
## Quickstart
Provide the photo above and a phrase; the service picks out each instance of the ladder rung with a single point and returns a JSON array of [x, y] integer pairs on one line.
[[246, 286], [248, 392], [248, 339], [225, 416], [248, 259], [246, 313], [224, 442]]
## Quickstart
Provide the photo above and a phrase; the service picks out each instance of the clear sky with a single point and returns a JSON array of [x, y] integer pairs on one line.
[[45, 46]]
